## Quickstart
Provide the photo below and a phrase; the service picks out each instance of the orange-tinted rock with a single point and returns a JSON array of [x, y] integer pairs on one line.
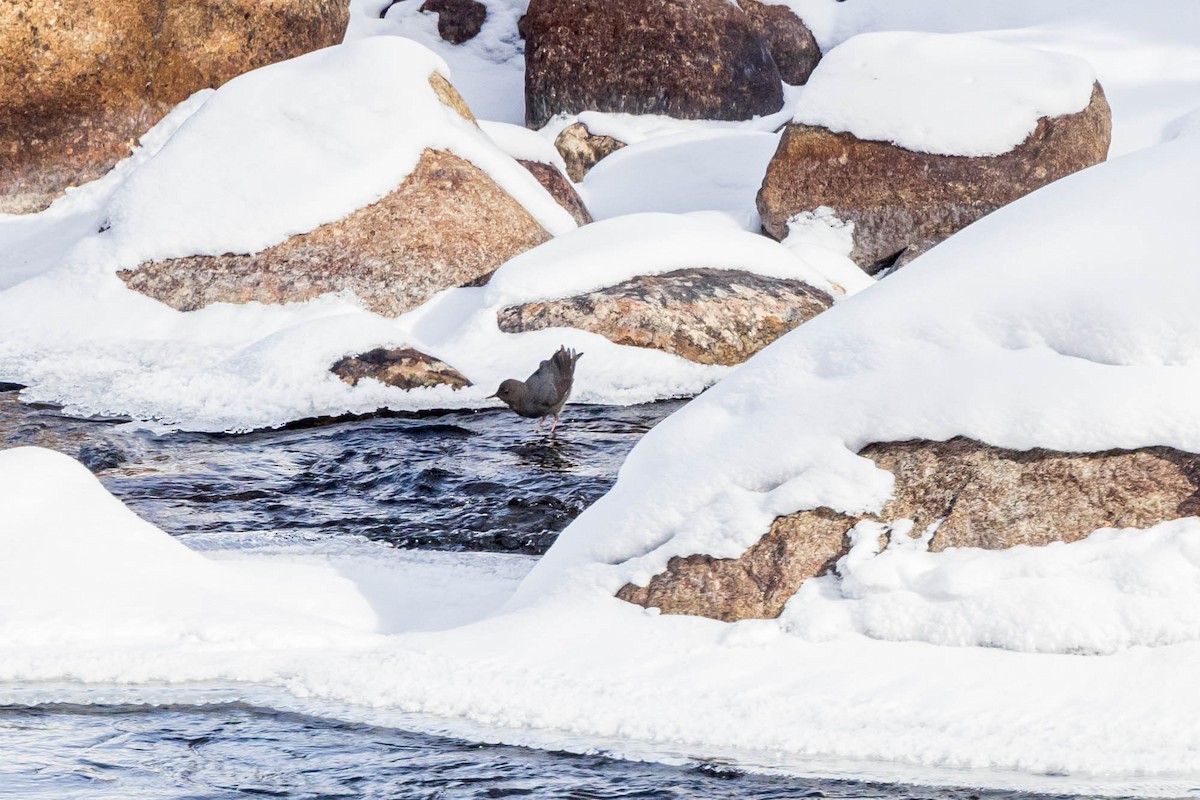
[[985, 496], [446, 225], [693, 59], [896, 197], [710, 316], [81, 81]]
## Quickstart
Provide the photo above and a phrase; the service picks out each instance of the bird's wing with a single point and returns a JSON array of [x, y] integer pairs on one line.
[[564, 371], [543, 384]]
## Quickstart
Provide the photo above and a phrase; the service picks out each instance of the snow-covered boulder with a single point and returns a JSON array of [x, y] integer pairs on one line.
[[82, 81], [960, 493], [710, 316], [914, 136], [698, 59], [792, 44], [458, 20], [356, 168], [402, 367]]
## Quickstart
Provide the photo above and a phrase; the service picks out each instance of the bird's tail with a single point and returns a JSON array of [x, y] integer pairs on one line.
[[564, 360]]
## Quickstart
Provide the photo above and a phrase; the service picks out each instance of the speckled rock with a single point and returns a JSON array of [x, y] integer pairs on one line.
[[446, 225], [710, 316], [987, 496], [554, 182], [81, 81], [458, 20], [896, 196], [581, 150], [792, 44], [404, 368], [693, 59]]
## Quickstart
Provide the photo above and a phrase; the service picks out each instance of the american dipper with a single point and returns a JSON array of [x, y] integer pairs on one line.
[[545, 391]]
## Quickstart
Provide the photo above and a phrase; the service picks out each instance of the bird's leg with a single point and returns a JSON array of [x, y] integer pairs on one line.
[[538, 427], [554, 424]]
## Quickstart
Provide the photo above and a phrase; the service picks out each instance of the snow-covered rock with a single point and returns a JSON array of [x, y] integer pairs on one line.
[[82, 81], [792, 44], [911, 137], [419, 199], [955, 494]]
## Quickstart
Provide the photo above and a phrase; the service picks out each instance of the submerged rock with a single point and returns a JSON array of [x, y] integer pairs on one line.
[[447, 224], [710, 316], [102, 455], [581, 149], [975, 494], [897, 197], [792, 44], [404, 368], [692, 59], [82, 81]]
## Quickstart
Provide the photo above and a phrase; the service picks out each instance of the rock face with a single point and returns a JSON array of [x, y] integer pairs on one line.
[[446, 225], [709, 316], [988, 497], [896, 197], [458, 20], [693, 59], [80, 82], [581, 150], [404, 368], [559, 188], [792, 44]]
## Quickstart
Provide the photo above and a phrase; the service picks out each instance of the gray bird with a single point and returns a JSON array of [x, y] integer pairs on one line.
[[545, 391]]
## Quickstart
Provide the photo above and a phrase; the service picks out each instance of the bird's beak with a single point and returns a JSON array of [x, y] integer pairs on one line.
[[490, 396]]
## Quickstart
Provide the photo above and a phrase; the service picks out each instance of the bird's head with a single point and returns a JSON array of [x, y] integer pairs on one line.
[[509, 391]]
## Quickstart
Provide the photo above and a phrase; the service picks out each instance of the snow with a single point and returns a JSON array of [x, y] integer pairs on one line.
[[284, 149], [947, 94], [489, 70], [1144, 53], [699, 171], [339, 633]]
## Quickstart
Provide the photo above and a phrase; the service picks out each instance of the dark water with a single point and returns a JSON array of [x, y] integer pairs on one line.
[[451, 481], [226, 751], [461, 480]]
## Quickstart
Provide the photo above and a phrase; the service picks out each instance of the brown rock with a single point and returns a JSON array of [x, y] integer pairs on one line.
[[710, 316], [81, 81], [559, 188], [581, 150], [693, 59], [792, 44], [896, 196], [404, 368], [458, 20], [448, 223], [450, 96], [984, 496]]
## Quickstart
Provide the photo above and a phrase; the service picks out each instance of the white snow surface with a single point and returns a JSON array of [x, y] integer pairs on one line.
[[1144, 53], [424, 641], [947, 94]]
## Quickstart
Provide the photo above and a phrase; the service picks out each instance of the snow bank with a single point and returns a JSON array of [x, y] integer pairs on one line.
[[954, 95], [701, 171], [1115, 590], [1064, 320], [99, 607]]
